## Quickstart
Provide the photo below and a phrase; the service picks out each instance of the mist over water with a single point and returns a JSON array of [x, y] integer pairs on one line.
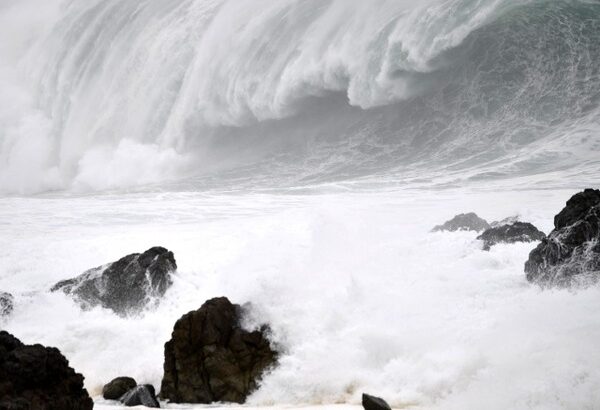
[[294, 155]]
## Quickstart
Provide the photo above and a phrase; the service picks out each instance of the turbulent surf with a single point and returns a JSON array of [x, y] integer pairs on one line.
[[294, 155], [291, 92]]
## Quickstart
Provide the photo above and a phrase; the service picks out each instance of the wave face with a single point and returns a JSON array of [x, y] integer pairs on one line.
[[110, 94]]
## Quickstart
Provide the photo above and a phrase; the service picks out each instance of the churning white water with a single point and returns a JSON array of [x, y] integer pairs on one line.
[[359, 295], [294, 155]]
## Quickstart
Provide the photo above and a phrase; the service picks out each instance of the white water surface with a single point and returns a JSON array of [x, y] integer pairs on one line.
[[359, 294], [294, 155]]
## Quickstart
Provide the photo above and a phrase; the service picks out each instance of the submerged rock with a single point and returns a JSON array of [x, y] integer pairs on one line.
[[7, 302], [571, 253], [116, 388], [515, 232], [143, 395], [374, 403], [211, 358], [463, 222], [38, 377], [126, 286]]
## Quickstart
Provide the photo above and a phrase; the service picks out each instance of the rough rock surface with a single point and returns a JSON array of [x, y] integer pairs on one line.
[[211, 358], [571, 253], [126, 286], [143, 395], [463, 222], [374, 403], [38, 377], [515, 232], [6, 303], [116, 388]]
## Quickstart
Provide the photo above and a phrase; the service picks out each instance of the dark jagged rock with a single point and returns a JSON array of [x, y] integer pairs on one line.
[[143, 395], [463, 222], [7, 302], [38, 377], [571, 253], [211, 358], [515, 232], [125, 286], [116, 388], [374, 403]]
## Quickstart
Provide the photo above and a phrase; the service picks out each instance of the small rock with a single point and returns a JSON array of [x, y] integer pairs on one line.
[[126, 286], [374, 403], [571, 253], [463, 222], [116, 388], [143, 395], [7, 302], [512, 233]]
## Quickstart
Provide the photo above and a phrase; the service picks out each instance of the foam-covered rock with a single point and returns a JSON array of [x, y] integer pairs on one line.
[[143, 395], [463, 222], [211, 358], [571, 253], [509, 220], [38, 377], [7, 303], [126, 286], [510, 233]]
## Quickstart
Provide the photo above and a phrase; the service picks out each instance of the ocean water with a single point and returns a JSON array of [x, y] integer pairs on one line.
[[294, 155], [359, 294]]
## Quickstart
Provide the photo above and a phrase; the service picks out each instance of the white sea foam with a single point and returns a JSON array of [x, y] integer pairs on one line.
[[294, 154], [359, 295]]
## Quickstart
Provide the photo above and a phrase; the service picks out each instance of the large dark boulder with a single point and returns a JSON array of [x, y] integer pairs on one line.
[[374, 403], [210, 358], [571, 253], [116, 388], [7, 302], [126, 286], [511, 233], [143, 395], [463, 222], [38, 377]]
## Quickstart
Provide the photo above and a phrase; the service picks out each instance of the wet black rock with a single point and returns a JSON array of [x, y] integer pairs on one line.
[[463, 222], [143, 395], [571, 253], [511, 233], [38, 377], [7, 303], [374, 403], [210, 358], [116, 388], [126, 286]]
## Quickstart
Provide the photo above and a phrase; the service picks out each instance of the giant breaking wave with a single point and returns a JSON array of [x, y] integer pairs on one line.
[[110, 94]]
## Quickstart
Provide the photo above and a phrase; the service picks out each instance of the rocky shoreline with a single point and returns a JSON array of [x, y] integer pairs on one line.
[[210, 356], [568, 257]]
